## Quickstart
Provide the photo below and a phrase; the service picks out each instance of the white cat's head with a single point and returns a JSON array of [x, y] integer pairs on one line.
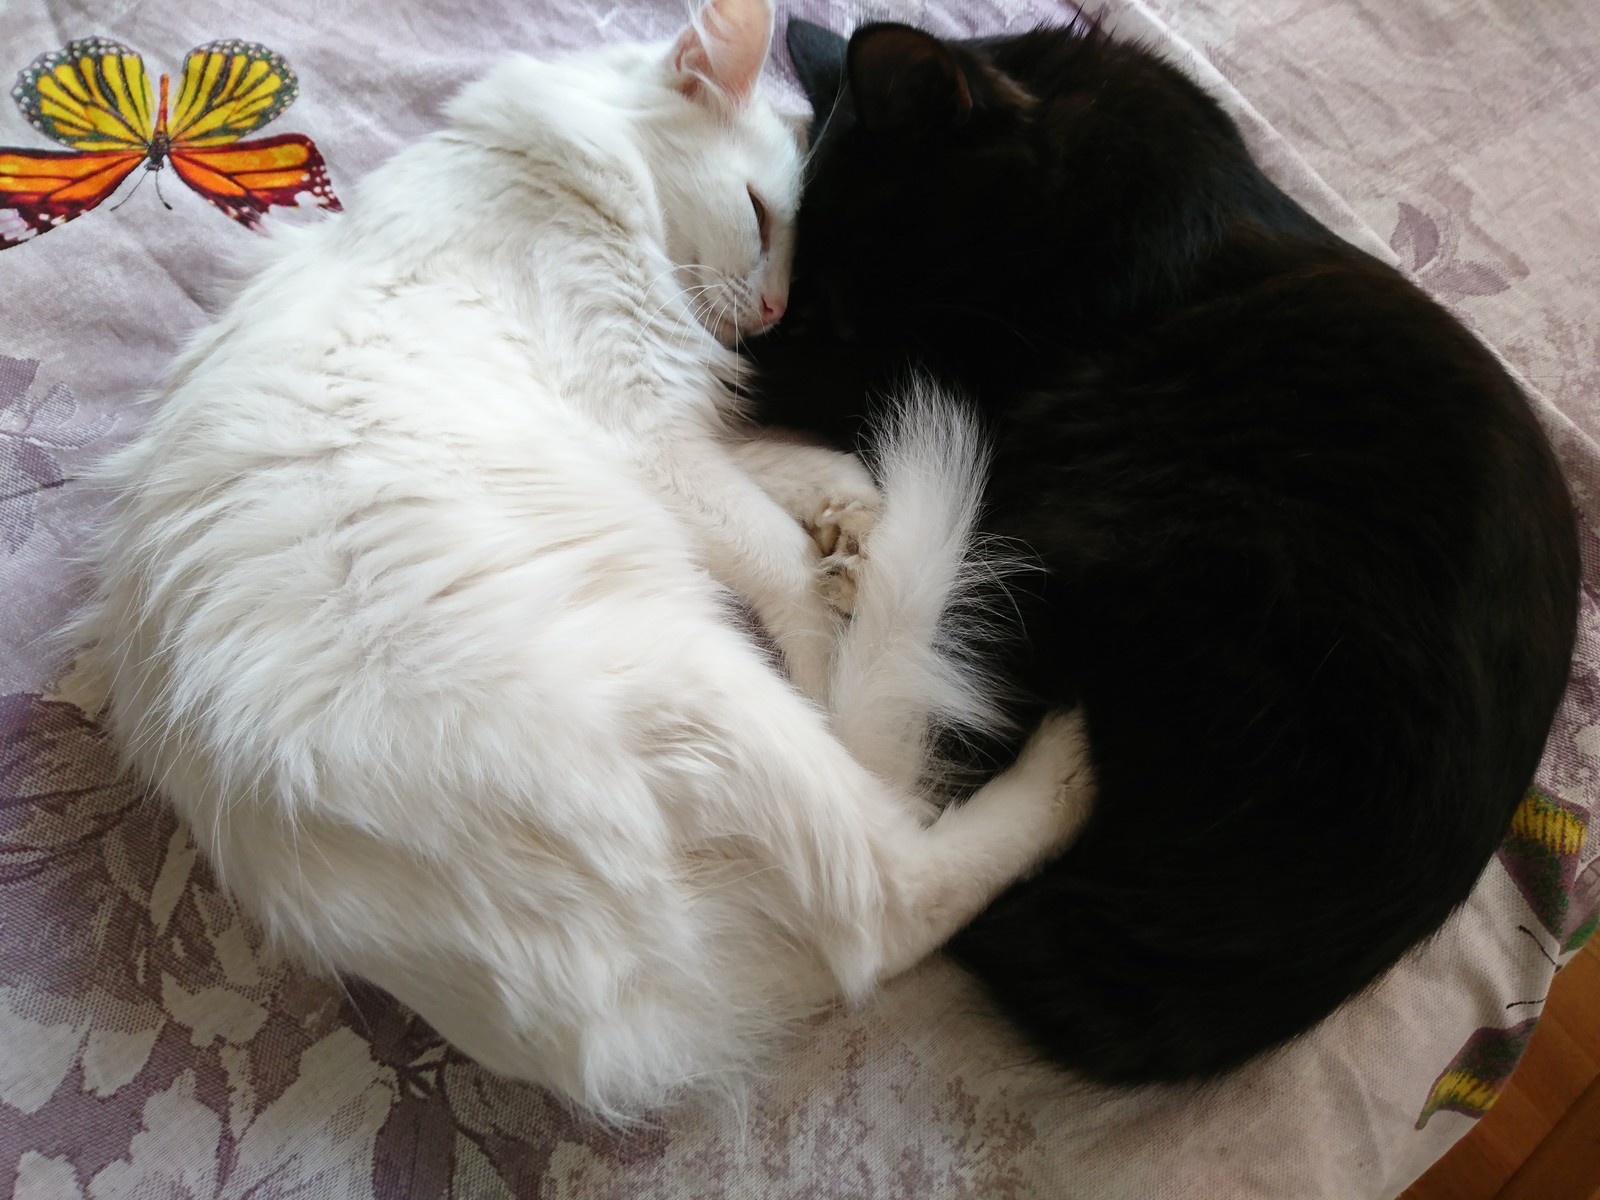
[[727, 169], [723, 166]]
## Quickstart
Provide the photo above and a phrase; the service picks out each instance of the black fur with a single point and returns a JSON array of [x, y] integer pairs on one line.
[[1311, 568]]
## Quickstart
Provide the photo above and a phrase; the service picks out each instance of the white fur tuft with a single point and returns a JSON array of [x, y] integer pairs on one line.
[[908, 663]]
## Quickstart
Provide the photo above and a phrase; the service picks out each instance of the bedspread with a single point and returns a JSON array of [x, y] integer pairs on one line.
[[148, 1045]]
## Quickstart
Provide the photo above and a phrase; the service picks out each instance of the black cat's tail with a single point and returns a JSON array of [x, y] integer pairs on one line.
[[910, 664]]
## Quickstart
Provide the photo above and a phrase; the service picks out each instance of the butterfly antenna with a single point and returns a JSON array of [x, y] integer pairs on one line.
[[159, 196], [136, 185]]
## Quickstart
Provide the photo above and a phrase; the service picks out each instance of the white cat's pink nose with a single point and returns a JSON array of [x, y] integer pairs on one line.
[[772, 308]]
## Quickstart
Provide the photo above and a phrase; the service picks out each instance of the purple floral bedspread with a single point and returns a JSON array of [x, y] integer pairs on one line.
[[148, 1046]]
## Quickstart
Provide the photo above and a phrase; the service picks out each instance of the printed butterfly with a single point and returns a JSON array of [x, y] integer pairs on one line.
[[95, 97]]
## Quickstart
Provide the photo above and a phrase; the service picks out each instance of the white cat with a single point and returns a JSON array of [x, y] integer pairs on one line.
[[409, 599]]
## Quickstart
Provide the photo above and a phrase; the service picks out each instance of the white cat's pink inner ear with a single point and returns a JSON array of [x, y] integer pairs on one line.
[[689, 60], [725, 47]]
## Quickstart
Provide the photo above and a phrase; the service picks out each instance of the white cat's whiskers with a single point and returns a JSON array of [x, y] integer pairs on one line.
[[689, 296], [680, 293]]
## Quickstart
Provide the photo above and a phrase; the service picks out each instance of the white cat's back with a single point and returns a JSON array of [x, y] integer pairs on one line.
[[414, 650]]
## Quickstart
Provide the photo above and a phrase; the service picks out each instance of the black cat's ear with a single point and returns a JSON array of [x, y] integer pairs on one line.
[[902, 77], [818, 57]]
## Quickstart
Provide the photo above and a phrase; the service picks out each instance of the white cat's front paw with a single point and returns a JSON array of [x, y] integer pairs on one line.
[[840, 531], [833, 497], [1056, 781]]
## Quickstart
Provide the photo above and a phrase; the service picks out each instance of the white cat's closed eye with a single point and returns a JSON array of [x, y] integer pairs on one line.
[[762, 221]]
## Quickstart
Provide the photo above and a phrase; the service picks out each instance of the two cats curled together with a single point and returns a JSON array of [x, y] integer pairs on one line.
[[1210, 590]]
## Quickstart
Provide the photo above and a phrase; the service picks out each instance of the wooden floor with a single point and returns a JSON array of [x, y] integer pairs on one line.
[[1541, 1140]]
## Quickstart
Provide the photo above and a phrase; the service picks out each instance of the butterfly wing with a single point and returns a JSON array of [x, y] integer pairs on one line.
[[93, 95], [40, 189], [229, 89], [246, 178]]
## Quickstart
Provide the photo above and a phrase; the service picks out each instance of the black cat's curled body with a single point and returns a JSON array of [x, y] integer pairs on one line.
[[1310, 566]]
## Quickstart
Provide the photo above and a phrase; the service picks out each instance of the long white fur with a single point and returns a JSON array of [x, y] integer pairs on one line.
[[411, 600], [906, 665]]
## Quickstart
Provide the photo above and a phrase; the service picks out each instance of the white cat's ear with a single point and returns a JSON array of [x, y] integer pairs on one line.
[[724, 49]]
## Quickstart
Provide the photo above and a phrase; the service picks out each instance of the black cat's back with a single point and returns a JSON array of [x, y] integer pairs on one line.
[[1310, 566], [1318, 655]]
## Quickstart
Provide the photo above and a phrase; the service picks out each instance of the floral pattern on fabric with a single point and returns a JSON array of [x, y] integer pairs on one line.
[[36, 425], [1472, 1081], [150, 1046]]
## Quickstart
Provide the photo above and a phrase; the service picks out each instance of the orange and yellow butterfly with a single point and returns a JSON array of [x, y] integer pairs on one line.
[[95, 96]]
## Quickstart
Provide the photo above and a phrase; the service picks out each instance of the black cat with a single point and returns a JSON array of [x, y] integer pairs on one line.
[[1310, 566]]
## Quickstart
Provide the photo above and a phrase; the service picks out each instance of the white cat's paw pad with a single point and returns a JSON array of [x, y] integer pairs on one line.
[[837, 578], [841, 526], [840, 531]]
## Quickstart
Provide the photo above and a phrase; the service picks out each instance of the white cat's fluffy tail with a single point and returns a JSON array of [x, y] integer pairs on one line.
[[907, 665]]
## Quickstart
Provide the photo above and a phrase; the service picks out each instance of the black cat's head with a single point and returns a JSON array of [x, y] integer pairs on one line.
[[981, 198]]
